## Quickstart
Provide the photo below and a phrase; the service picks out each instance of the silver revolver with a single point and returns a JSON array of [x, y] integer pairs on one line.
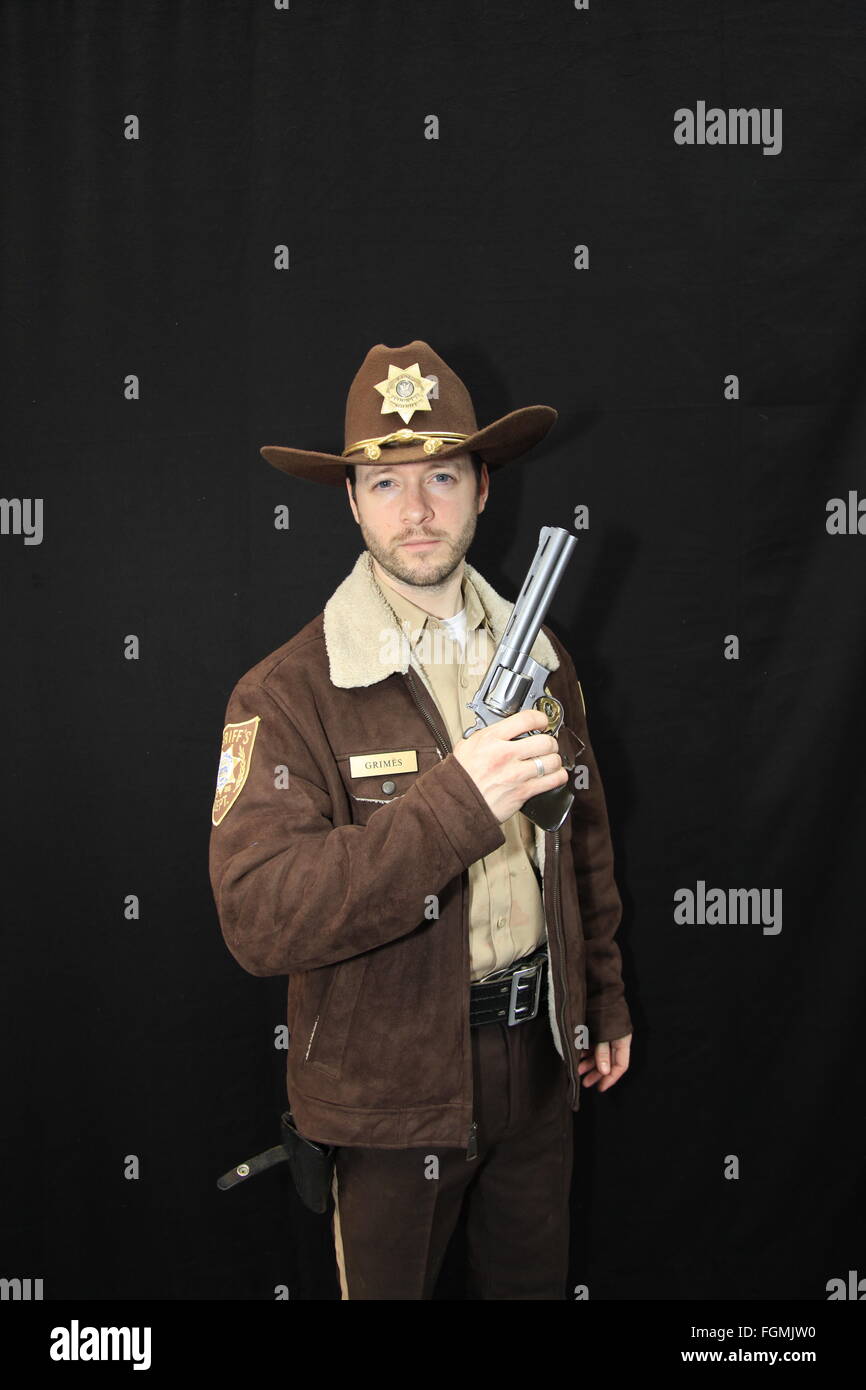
[[514, 681]]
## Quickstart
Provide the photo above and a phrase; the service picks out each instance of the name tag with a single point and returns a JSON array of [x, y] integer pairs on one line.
[[369, 764]]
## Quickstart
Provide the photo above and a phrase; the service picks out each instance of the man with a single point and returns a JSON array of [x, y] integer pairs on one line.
[[452, 968]]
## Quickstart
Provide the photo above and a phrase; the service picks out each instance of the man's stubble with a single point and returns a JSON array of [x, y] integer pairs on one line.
[[419, 571]]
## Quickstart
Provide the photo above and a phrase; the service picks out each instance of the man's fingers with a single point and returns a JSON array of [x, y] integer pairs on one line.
[[606, 1079], [606, 1063]]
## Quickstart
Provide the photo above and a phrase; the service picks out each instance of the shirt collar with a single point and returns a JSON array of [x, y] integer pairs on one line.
[[418, 618]]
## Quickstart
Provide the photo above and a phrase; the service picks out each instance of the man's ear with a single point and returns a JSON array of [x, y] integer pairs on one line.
[[483, 488], [352, 502]]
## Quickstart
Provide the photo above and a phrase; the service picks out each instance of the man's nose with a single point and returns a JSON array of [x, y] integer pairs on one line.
[[415, 504]]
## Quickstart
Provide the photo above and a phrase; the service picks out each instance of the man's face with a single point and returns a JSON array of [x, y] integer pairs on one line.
[[405, 502]]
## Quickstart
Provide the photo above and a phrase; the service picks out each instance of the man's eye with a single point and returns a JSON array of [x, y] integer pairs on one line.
[[377, 485]]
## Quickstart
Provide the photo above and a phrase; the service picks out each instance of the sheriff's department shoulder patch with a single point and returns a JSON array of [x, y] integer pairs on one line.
[[235, 757]]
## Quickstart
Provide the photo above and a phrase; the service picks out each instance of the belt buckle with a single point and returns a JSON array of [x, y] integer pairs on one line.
[[515, 985]]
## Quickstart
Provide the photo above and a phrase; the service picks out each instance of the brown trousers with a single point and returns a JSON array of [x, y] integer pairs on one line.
[[393, 1216]]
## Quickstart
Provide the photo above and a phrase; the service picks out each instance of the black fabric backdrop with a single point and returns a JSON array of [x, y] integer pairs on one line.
[[154, 257]]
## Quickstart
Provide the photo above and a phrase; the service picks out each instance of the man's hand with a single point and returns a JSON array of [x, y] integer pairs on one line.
[[602, 1065], [503, 767]]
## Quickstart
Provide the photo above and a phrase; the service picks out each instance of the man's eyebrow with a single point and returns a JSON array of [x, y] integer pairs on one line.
[[387, 467]]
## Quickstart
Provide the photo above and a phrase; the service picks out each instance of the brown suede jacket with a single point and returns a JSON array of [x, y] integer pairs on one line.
[[336, 879]]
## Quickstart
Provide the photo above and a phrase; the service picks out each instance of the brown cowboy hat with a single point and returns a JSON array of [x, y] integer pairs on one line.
[[406, 405]]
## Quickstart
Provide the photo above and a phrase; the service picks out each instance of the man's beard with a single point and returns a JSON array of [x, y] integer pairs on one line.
[[423, 569]]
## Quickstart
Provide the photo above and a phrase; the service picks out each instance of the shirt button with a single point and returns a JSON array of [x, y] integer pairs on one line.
[[500, 921], [388, 787]]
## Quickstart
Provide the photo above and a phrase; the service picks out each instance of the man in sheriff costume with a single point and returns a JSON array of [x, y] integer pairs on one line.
[[452, 968]]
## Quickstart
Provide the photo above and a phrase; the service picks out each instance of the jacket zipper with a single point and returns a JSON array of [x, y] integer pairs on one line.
[[444, 745], [563, 1032]]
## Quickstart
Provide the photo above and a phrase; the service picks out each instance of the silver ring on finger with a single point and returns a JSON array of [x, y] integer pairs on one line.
[[540, 766]]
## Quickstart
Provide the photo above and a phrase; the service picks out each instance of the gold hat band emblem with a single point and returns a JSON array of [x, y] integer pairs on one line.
[[433, 441]]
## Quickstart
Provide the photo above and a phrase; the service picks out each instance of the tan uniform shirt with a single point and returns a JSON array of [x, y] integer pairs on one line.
[[506, 912]]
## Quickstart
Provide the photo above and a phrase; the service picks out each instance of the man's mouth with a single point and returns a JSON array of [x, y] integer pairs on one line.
[[419, 545]]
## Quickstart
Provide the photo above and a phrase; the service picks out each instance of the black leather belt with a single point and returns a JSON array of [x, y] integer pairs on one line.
[[513, 995]]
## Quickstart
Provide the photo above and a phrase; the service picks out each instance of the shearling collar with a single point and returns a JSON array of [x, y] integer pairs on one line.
[[357, 614]]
